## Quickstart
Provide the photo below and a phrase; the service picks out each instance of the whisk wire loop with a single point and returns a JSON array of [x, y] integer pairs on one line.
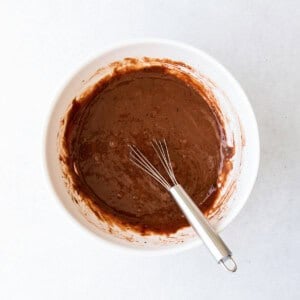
[[139, 159], [161, 150]]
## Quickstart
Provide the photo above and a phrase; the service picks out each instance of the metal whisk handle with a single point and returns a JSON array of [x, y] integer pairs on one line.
[[210, 238]]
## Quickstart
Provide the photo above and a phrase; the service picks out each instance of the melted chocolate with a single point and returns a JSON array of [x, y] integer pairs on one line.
[[134, 108]]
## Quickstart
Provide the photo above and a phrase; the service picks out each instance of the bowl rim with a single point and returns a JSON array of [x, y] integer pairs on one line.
[[46, 131]]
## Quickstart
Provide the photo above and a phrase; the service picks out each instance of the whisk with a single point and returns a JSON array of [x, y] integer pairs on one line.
[[210, 238]]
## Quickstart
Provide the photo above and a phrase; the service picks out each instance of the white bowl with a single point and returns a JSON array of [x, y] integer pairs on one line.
[[241, 126]]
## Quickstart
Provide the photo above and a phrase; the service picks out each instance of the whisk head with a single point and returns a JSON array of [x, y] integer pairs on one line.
[[141, 161]]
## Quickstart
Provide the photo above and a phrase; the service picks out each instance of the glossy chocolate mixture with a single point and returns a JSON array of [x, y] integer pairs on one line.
[[134, 108]]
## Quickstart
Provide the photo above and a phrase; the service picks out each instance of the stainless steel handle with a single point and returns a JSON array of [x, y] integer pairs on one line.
[[202, 227]]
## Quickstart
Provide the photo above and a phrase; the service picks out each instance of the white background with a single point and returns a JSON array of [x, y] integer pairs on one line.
[[43, 255]]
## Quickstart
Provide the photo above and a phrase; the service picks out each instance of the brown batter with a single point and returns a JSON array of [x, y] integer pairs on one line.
[[134, 108]]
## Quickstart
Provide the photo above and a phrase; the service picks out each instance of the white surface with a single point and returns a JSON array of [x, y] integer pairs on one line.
[[42, 254]]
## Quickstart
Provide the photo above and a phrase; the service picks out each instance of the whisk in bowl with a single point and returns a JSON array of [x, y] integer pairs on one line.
[[210, 238]]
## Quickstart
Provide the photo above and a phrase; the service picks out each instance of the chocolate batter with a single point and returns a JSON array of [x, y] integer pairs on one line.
[[133, 108]]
